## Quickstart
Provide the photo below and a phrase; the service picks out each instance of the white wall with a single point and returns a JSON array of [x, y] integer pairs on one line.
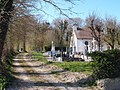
[[74, 43], [81, 45]]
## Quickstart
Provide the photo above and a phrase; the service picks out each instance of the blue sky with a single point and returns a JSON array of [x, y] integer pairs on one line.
[[103, 8]]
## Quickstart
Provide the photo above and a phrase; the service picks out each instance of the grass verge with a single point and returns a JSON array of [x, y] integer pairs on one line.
[[85, 67], [7, 77]]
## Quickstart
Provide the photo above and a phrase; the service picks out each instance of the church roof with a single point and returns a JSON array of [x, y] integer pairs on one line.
[[84, 33]]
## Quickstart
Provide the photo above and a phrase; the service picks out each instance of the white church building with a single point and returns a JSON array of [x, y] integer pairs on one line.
[[83, 42]]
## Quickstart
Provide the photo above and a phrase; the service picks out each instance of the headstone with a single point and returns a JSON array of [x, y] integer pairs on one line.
[[52, 50], [59, 59]]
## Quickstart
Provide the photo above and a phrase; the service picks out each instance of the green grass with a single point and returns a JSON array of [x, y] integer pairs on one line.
[[38, 56], [85, 67]]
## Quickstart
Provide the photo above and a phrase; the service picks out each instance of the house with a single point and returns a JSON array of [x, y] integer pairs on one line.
[[83, 42]]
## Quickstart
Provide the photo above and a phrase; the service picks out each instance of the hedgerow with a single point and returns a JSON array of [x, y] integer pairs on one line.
[[106, 64]]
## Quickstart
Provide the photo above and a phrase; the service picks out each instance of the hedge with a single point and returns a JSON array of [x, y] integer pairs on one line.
[[106, 64]]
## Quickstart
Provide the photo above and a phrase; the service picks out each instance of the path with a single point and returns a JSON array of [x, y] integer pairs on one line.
[[35, 75]]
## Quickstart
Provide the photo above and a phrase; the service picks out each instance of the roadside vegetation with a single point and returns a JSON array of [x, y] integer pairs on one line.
[[7, 77], [106, 64], [3, 82], [84, 67], [39, 56]]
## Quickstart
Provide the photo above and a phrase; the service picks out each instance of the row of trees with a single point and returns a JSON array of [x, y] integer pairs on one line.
[[107, 30], [39, 34], [16, 22], [103, 30]]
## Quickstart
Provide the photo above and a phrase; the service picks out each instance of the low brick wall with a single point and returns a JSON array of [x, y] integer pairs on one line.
[[109, 84]]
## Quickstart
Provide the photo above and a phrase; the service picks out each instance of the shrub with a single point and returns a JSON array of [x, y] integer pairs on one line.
[[6, 75], [106, 64], [3, 82]]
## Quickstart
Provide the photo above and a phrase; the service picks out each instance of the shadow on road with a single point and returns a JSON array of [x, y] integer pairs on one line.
[[80, 83], [37, 73]]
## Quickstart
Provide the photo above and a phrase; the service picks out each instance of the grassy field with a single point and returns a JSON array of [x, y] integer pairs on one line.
[[85, 67]]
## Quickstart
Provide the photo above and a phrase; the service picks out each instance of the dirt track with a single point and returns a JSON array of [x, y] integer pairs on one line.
[[35, 75]]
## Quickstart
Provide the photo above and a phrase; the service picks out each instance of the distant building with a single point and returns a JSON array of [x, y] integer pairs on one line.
[[83, 42]]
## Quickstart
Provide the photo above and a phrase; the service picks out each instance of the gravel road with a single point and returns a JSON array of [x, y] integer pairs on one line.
[[35, 75]]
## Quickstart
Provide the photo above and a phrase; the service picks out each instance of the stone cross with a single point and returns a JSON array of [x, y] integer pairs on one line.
[[53, 47]]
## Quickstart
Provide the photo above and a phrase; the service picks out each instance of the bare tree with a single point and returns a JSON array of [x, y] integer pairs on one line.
[[6, 6], [61, 30], [77, 21], [9, 6], [118, 36], [95, 24], [112, 35]]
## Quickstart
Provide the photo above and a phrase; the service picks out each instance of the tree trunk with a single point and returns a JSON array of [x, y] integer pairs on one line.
[[24, 43], [18, 45], [99, 42], [113, 41], [3, 31], [4, 23]]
